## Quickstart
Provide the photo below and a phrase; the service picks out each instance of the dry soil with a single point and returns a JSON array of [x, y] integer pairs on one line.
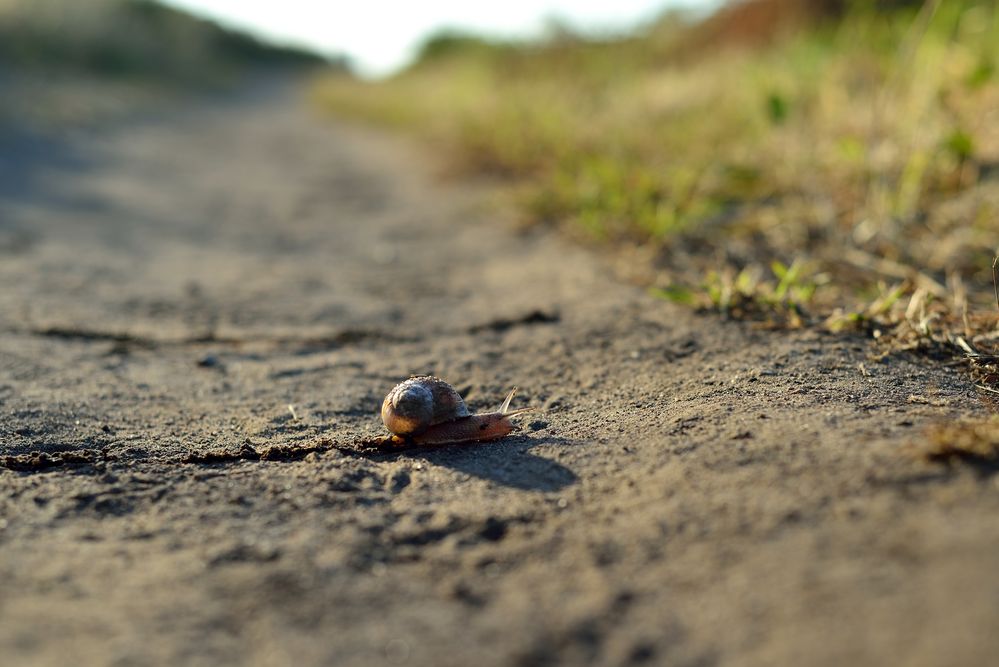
[[200, 311]]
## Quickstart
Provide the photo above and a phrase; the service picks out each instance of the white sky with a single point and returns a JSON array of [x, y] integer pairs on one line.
[[381, 35]]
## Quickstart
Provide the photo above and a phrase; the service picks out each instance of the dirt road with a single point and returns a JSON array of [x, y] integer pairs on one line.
[[693, 492]]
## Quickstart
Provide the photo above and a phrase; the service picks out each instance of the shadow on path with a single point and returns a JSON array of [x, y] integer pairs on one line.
[[507, 463], [28, 162]]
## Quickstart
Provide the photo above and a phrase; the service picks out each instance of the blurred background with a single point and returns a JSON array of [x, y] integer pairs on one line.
[[165, 35], [794, 160]]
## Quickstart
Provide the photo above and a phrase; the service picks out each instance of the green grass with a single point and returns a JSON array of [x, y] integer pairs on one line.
[[846, 174]]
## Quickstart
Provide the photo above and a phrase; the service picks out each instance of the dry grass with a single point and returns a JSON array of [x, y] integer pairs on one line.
[[968, 442], [843, 174]]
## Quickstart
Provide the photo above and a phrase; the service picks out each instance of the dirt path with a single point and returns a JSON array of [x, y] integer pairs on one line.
[[694, 492]]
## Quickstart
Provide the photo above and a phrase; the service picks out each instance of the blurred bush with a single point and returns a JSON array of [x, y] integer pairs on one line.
[[131, 38], [858, 138]]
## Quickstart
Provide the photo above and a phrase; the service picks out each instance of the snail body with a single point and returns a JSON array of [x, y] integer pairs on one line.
[[427, 410]]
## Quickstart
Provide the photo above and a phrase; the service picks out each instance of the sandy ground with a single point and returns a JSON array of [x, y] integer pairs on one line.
[[693, 492]]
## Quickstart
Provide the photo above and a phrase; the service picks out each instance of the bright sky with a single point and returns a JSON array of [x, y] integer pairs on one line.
[[381, 35]]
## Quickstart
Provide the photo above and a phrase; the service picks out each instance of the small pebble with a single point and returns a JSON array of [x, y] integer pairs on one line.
[[208, 361]]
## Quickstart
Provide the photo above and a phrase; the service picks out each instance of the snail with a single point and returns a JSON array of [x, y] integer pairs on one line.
[[427, 410]]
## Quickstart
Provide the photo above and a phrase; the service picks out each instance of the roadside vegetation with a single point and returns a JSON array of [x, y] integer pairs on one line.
[[796, 163], [67, 63], [129, 40]]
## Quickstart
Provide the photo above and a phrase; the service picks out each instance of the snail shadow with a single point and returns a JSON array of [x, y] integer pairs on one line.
[[506, 462]]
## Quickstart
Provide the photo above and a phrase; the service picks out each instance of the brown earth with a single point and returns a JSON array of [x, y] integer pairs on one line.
[[694, 492]]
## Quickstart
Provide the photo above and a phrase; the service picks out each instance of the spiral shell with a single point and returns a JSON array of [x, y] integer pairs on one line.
[[418, 403]]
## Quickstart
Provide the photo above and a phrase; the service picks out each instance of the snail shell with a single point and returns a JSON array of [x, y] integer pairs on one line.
[[418, 403], [427, 410]]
